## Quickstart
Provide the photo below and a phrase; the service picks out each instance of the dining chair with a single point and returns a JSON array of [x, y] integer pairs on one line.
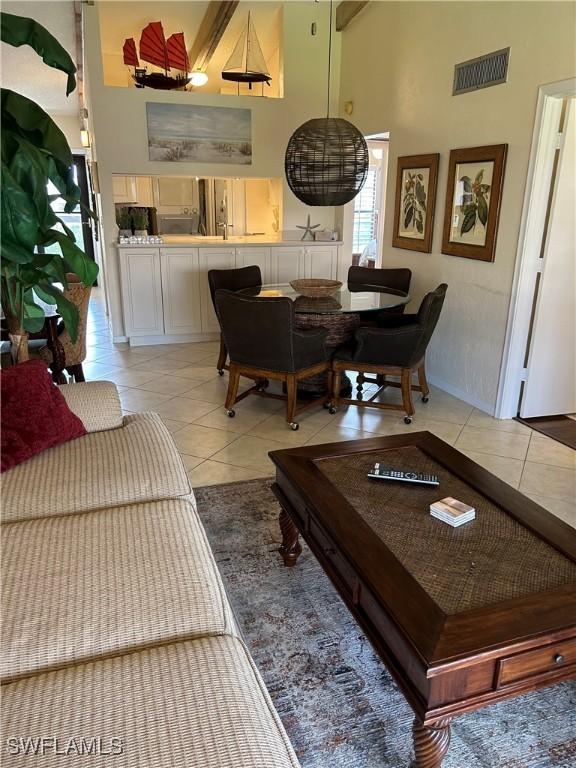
[[398, 350], [74, 351], [231, 280], [263, 343], [397, 279]]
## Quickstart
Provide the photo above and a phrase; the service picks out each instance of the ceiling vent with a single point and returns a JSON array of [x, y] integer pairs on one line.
[[483, 72]]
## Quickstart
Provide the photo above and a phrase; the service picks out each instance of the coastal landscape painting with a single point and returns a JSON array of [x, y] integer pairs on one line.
[[196, 134]]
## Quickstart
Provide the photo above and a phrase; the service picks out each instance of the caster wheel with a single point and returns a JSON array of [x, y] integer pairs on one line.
[[220, 372], [294, 426], [407, 420], [425, 398], [332, 409], [231, 414]]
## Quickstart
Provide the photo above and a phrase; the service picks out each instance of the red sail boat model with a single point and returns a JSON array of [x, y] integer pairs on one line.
[[167, 54]]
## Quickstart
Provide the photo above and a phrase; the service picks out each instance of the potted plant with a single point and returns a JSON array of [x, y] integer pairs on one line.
[[35, 152], [124, 221], [140, 220]]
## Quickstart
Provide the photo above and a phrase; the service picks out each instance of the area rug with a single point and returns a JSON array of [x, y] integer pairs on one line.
[[338, 703]]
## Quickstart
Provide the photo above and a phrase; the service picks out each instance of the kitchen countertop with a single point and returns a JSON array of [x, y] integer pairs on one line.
[[183, 240]]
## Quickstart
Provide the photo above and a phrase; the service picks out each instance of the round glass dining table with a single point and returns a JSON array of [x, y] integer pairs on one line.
[[338, 314], [346, 300]]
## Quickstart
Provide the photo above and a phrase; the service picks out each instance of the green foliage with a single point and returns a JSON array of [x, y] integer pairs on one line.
[[474, 202], [414, 201], [34, 152], [124, 218], [140, 218]]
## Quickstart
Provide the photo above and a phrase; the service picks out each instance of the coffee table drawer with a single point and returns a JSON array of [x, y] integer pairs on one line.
[[540, 661], [331, 553]]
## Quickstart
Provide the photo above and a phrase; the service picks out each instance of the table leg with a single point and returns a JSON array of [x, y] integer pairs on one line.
[[431, 742], [290, 548]]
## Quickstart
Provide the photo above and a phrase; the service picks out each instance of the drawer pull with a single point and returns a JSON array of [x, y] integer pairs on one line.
[[559, 659]]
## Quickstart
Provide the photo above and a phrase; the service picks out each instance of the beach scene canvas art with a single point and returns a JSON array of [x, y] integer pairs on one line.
[[197, 134]]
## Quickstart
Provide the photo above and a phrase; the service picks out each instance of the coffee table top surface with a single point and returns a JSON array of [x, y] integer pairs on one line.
[[508, 558]]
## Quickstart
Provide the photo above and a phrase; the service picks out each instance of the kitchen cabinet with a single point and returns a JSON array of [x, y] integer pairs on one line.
[[133, 190], [321, 261], [212, 258], [261, 257], [181, 280], [144, 192], [290, 263], [287, 264], [142, 292]]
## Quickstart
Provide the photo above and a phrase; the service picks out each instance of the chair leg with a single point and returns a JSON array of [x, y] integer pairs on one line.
[[233, 382], [76, 371], [291, 390], [406, 386], [222, 355], [359, 385], [336, 386], [423, 383]]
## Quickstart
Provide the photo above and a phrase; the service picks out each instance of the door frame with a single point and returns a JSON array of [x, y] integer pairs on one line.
[[532, 230]]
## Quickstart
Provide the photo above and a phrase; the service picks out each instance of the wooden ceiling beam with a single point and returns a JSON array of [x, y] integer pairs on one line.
[[346, 11], [213, 26]]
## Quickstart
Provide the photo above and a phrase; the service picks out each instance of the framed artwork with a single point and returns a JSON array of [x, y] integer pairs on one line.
[[416, 179], [473, 192], [186, 133]]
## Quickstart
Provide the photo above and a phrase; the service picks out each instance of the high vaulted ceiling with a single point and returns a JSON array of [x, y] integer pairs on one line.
[[24, 71]]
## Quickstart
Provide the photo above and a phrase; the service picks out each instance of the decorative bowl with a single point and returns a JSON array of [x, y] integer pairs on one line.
[[316, 288]]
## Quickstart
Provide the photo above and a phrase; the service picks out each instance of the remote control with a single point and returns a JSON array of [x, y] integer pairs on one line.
[[405, 476]]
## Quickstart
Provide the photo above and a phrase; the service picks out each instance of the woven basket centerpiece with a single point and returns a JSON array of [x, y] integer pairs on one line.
[[316, 288]]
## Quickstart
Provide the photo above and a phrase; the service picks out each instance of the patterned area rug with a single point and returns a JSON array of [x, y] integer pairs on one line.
[[338, 703]]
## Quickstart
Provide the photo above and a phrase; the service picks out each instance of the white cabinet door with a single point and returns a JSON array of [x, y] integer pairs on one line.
[[287, 264], [181, 290], [144, 195], [124, 189], [212, 258], [322, 262], [247, 257], [141, 291]]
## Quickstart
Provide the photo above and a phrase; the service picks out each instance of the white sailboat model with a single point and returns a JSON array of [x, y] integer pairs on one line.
[[247, 63]]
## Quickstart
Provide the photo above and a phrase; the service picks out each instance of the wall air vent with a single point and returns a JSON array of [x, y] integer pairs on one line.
[[483, 72]]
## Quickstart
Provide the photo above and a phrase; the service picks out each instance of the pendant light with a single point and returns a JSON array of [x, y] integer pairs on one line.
[[326, 159]]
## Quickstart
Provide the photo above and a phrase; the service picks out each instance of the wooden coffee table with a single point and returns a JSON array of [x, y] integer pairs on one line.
[[462, 617]]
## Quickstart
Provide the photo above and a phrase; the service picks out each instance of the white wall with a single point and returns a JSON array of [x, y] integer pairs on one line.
[[118, 124], [397, 67], [70, 127]]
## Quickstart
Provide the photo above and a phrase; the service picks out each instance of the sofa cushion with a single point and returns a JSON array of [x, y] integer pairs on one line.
[[35, 416], [199, 703], [136, 463], [96, 403], [80, 587]]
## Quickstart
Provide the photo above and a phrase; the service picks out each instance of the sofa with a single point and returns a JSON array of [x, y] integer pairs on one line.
[[119, 645]]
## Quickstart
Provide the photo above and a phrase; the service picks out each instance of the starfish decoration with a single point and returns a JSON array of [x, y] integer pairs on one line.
[[307, 229]]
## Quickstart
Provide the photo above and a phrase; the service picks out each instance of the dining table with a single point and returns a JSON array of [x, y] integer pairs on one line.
[[340, 314]]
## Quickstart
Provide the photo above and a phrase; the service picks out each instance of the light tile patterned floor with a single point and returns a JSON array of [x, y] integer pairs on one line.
[[181, 384]]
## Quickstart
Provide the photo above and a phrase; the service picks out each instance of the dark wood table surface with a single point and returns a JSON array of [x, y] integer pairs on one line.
[[462, 617]]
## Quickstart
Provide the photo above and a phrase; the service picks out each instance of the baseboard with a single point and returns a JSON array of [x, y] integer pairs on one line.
[[120, 339], [461, 394], [184, 338]]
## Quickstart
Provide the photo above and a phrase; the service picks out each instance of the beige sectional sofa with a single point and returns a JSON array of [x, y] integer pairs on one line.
[[118, 637]]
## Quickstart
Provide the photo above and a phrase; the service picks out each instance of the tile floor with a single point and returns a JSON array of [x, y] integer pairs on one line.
[[181, 384]]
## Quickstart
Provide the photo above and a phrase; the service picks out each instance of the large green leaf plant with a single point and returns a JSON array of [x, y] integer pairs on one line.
[[34, 153]]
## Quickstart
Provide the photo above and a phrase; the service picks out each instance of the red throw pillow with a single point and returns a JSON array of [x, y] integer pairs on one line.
[[35, 415]]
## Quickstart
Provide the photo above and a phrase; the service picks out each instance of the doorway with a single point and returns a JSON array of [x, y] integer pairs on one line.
[[368, 207], [539, 369]]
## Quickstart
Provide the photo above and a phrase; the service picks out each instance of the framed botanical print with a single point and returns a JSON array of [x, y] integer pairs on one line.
[[473, 192], [416, 179]]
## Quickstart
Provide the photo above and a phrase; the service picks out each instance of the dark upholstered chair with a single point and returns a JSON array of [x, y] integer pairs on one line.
[[395, 279], [263, 344], [231, 280], [398, 350]]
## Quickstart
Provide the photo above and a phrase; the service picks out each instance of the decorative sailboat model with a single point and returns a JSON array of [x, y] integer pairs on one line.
[[247, 64], [155, 49]]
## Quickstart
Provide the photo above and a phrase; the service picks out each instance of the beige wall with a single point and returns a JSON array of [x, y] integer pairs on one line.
[[70, 127], [397, 67], [118, 124]]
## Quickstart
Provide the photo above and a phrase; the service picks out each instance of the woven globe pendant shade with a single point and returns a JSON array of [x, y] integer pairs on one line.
[[326, 161]]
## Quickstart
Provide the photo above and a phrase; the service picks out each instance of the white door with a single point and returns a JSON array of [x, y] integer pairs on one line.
[[322, 262], [212, 258], [247, 257], [550, 386], [141, 291], [181, 290], [124, 189], [287, 264]]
